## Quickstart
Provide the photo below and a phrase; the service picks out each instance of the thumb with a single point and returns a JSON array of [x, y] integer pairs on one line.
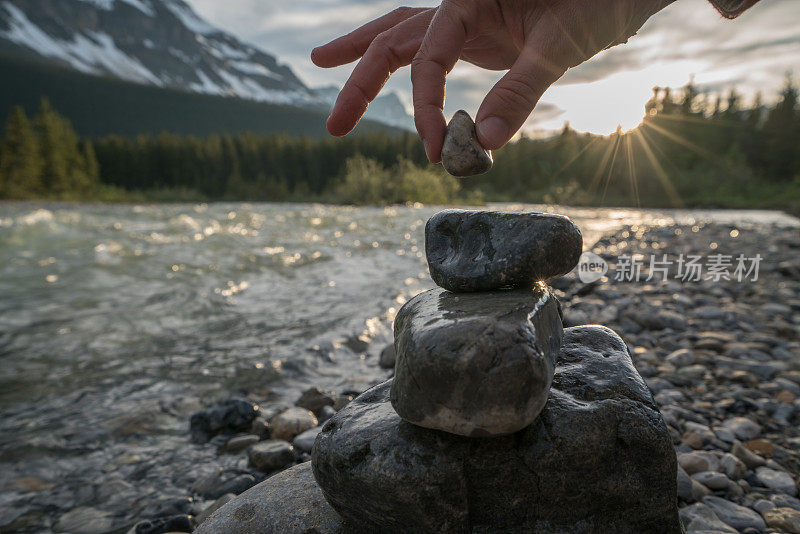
[[512, 99]]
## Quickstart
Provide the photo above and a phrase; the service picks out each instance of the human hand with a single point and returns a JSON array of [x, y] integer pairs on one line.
[[538, 40]]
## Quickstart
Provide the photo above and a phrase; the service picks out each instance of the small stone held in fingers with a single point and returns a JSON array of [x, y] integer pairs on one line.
[[462, 153]]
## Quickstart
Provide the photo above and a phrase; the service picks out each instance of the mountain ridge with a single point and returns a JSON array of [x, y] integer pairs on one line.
[[102, 105], [164, 43]]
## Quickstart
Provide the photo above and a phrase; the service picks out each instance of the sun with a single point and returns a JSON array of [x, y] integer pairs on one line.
[[601, 106]]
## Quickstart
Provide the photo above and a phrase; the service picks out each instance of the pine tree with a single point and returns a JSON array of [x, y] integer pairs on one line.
[[732, 111], [68, 172], [20, 160], [688, 101], [717, 113], [55, 160], [90, 159], [781, 130], [667, 104], [754, 114]]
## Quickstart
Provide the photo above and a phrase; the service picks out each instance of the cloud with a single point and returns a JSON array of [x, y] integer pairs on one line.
[[604, 65]]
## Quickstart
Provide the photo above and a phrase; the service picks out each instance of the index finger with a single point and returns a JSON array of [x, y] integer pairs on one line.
[[352, 46], [439, 52]]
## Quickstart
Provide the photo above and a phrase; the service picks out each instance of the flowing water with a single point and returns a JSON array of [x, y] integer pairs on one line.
[[116, 321]]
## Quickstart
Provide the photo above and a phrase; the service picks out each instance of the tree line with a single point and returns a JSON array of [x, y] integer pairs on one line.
[[691, 149], [44, 158]]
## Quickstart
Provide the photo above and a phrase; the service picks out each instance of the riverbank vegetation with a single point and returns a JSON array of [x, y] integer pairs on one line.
[[690, 150]]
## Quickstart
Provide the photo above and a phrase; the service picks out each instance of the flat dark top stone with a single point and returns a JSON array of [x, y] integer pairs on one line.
[[487, 250]]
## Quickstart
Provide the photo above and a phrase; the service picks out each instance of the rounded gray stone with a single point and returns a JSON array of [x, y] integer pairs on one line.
[[777, 480], [475, 364], [701, 518], [287, 503], [387, 357], [271, 455], [734, 515], [598, 458], [291, 422], [305, 441], [697, 461], [462, 153], [239, 443], [487, 250], [742, 428], [748, 457], [712, 479]]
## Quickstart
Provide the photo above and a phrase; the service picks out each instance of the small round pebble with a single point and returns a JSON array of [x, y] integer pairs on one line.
[[462, 153], [271, 455], [286, 425], [712, 479]]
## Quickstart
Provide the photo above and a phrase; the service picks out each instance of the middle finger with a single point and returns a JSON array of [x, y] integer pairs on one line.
[[388, 52]]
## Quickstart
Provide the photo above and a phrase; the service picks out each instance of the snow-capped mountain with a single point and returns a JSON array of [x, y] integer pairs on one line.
[[163, 43], [159, 42]]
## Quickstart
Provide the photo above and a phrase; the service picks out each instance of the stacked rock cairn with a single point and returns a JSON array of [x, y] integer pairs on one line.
[[497, 418]]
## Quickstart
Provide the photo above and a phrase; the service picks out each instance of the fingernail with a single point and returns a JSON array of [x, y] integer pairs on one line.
[[492, 132]]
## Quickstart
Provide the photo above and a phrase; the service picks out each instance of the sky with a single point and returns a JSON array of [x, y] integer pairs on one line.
[[687, 39]]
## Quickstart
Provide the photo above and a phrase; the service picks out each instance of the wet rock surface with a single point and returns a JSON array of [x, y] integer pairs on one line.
[[598, 457], [314, 399], [287, 424], [462, 153], [271, 455], [289, 502], [487, 250], [701, 518], [475, 364], [388, 357], [734, 515], [223, 417], [305, 441]]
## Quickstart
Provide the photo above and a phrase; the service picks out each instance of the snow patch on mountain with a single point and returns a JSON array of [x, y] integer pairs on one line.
[[108, 5], [189, 18], [248, 67], [85, 52], [205, 85]]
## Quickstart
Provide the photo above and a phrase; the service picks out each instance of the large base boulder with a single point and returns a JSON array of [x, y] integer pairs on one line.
[[475, 364], [598, 459], [287, 503]]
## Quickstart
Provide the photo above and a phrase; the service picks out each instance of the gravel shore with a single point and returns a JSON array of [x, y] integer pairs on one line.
[[722, 358]]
